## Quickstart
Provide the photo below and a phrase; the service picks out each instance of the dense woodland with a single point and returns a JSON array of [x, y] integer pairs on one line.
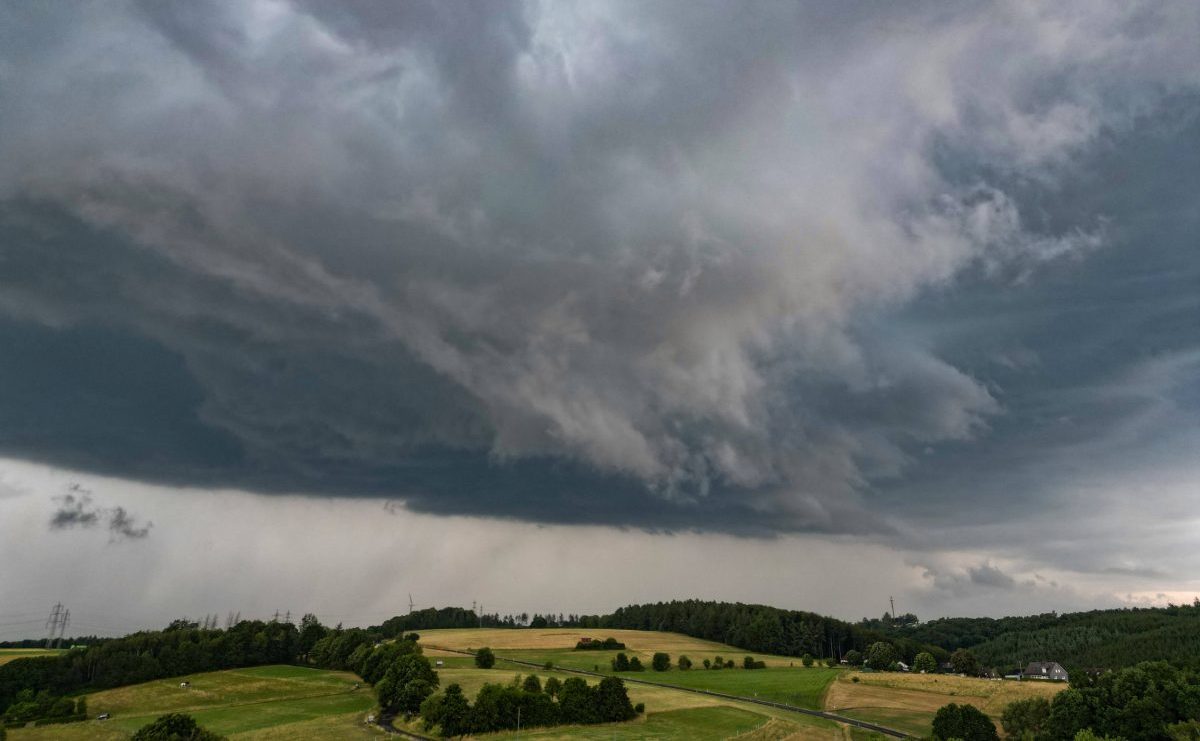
[[761, 628], [1078, 641]]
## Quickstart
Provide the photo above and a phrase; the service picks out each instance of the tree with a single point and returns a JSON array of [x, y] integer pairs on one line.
[[532, 684], [635, 665], [661, 662], [175, 727], [965, 722], [612, 701], [620, 662], [831, 662], [924, 663], [450, 710], [854, 657], [407, 683], [538, 622], [881, 655], [684, 663], [553, 685], [1026, 717], [718, 662], [1184, 731], [708, 663], [807, 659], [963, 661], [575, 702], [484, 658], [311, 631]]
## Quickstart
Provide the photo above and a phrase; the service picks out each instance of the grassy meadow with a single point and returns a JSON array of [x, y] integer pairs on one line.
[[269, 702], [289, 702], [12, 654], [670, 713], [907, 702]]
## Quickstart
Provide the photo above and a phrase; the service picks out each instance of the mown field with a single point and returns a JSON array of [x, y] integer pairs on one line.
[[670, 713], [261, 703], [908, 702], [11, 654]]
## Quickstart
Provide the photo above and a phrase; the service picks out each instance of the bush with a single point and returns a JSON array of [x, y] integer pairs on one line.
[[608, 644], [750, 663], [807, 660], [639, 709], [708, 663], [854, 657], [661, 662], [831, 662], [635, 665], [1025, 717], [60, 719], [175, 727], [620, 663], [484, 658], [684, 663], [965, 722], [1185, 731]]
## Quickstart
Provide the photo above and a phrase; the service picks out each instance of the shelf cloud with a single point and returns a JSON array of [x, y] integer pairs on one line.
[[759, 268]]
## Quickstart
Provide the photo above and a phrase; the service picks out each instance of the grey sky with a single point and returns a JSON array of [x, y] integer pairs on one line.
[[918, 282]]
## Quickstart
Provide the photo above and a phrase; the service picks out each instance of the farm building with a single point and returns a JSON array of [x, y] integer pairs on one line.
[[1045, 670]]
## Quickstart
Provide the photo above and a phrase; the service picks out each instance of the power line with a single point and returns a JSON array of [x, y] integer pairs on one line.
[[56, 614]]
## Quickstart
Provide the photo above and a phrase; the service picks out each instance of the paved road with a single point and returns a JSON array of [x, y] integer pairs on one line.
[[779, 705]]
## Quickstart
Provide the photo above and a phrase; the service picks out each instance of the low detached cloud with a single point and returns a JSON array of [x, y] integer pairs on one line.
[[616, 263], [76, 509]]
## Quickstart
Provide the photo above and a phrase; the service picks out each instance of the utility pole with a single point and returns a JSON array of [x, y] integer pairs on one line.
[[52, 622], [480, 615], [62, 627]]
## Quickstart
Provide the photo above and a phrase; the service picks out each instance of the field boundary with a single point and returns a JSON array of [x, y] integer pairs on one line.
[[768, 703]]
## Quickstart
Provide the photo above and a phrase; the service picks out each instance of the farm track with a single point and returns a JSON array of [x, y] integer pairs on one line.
[[777, 705]]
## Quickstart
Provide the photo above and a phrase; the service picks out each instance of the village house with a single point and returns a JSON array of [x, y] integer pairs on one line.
[[1045, 670]]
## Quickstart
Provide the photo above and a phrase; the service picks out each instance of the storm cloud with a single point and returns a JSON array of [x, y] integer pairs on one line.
[[76, 509], [755, 267]]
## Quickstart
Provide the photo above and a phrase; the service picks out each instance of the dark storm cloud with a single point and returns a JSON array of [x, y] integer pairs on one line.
[[77, 509], [627, 264]]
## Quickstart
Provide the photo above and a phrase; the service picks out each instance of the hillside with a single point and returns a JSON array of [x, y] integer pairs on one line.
[[1099, 638], [268, 702]]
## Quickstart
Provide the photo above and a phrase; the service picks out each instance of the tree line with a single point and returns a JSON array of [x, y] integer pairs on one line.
[[1079, 641], [500, 707], [147, 655]]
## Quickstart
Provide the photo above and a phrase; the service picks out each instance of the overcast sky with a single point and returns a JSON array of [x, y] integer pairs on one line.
[[562, 306]]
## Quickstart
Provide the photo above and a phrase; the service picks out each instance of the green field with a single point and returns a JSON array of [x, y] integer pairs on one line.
[[266, 702], [670, 713], [801, 687], [11, 654], [288, 702]]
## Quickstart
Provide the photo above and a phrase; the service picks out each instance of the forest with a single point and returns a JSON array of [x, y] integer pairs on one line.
[[1080, 641]]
